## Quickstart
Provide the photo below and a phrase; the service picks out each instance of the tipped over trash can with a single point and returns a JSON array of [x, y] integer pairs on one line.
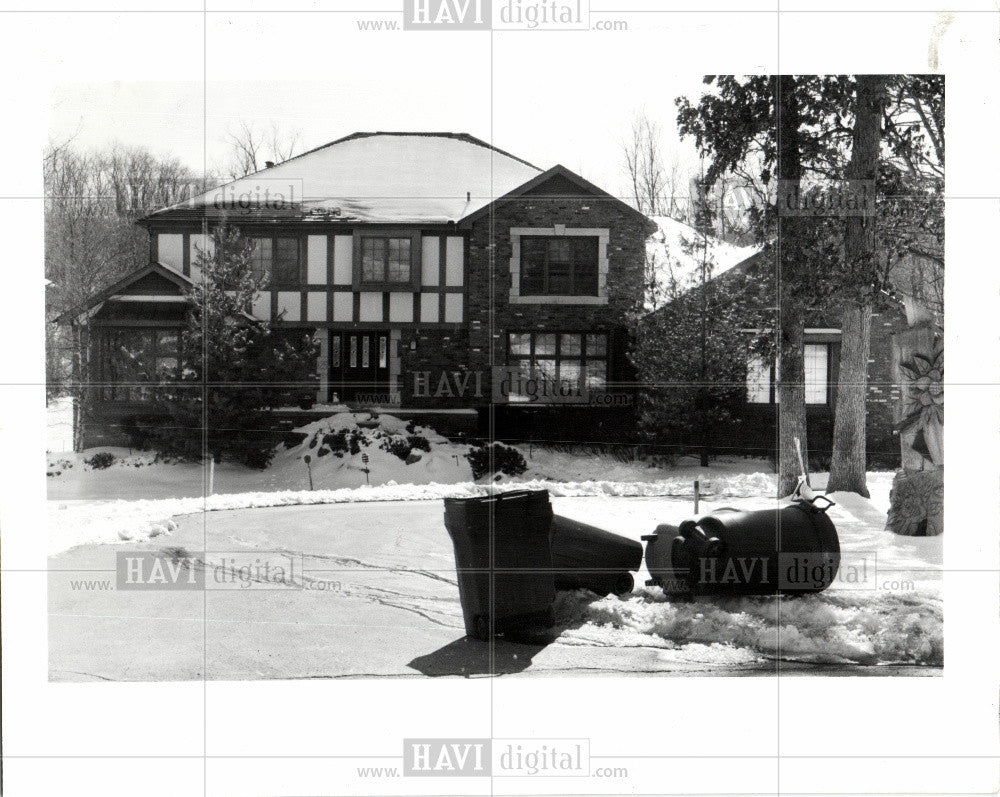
[[789, 550], [503, 558], [586, 557]]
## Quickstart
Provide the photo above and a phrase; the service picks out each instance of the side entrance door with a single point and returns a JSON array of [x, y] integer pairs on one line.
[[359, 366]]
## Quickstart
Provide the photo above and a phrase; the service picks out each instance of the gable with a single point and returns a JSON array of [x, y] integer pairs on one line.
[[560, 185], [152, 284]]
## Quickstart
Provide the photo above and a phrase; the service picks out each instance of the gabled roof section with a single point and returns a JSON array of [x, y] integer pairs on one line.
[[675, 253], [181, 282], [565, 183], [378, 177]]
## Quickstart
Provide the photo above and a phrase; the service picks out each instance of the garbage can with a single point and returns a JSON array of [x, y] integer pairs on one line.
[[587, 557], [789, 550], [503, 558]]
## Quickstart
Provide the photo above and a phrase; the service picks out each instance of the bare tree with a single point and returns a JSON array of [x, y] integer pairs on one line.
[[92, 201], [655, 184], [251, 148]]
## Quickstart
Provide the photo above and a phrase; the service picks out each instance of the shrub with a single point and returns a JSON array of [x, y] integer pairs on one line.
[[497, 458], [340, 442], [101, 460], [395, 445], [419, 442]]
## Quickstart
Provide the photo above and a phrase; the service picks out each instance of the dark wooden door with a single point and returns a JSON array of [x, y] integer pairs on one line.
[[359, 365]]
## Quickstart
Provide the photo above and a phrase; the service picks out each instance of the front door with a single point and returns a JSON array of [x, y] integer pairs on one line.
[[359, 366]]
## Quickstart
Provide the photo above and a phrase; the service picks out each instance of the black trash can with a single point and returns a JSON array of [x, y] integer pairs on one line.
[[789, 550], [587, 557], [503, 558]]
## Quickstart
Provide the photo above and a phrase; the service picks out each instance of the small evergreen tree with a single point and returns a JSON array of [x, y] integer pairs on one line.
[[233, 367], [691, 354]]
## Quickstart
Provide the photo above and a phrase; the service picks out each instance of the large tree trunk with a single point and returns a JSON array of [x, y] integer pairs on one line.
[[848, 466], [791, 384], [791, 396]]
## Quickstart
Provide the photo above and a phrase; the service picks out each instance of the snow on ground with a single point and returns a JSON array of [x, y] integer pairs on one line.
[[73, 523], [896, 618], [59, 424], [835, 627], [337, 446], [393, 567]]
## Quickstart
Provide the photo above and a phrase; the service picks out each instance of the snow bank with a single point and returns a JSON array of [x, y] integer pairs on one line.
[[860, 627], [77, 523]]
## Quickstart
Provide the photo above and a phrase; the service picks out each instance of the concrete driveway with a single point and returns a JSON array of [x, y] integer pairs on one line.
[[336, 591]]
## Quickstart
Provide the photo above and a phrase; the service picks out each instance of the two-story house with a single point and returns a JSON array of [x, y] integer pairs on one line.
[[436, 271]]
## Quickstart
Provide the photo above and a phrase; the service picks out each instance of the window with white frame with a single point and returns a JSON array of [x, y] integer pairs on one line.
[[762, 376], [559, 265]]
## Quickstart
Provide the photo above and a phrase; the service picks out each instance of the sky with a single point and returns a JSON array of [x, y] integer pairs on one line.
[[547, 98]]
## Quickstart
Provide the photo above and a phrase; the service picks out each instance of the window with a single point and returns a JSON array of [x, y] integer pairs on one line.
[[758, 380], [277, 259], [559, 265], [761, 387], [386, 260], [567, 358], [335, 356], [129, 360], [817, 358]]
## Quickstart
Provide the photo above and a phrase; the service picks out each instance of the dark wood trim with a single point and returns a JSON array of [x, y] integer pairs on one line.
[[416, 251], [186, 253]]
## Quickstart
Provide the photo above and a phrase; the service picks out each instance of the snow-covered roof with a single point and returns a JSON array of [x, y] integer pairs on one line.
[[676, 251], [376, 177]]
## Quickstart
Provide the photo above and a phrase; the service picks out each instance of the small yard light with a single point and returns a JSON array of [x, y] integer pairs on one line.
[[307, 459]]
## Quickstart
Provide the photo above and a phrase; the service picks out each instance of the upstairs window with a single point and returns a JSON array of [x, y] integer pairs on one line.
[[559, 265], [277, 258], [386, 260]]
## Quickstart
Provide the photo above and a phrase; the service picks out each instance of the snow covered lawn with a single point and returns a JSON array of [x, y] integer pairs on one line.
[[397, 453], [375, 595]]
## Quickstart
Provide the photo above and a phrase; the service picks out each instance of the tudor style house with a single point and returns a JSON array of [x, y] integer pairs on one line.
[[436, 271]]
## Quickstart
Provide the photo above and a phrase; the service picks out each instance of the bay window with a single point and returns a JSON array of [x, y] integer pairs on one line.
[[130, 360]]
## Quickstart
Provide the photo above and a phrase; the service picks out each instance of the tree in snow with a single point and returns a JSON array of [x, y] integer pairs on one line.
[[770, 129], [233, 367], [691, 354]]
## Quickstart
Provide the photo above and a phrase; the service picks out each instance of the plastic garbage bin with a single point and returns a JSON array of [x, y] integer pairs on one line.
[[503, 559], [591, 558], [789, 550]]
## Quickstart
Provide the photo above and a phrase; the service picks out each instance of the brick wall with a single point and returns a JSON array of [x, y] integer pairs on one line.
[[461, 356]]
